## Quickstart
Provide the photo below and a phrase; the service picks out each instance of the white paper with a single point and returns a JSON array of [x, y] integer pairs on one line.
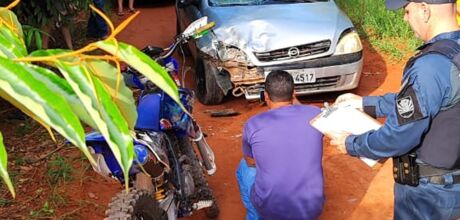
[[346, 119]]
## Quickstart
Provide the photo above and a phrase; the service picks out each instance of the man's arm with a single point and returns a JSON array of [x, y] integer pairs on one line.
[[419, 100], [388, 141], [379, 106], [375, 106]]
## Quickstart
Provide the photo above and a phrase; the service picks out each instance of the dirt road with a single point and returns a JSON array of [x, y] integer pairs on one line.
[[353, 190]]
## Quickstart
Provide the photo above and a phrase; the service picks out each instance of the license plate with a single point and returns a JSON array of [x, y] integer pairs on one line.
[[303, 76]]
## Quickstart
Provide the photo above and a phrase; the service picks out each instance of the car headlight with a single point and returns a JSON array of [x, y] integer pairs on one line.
[[348, 43], [230, 53]]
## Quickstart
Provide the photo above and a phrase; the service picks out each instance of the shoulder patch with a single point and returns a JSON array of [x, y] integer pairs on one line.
[[407, 106]]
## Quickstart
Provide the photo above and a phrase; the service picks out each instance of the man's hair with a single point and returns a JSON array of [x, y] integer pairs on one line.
[[279, 85]]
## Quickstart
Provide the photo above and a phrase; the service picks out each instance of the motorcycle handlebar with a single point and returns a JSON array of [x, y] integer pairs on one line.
[[203, 29], [170, 50], [181, 38]]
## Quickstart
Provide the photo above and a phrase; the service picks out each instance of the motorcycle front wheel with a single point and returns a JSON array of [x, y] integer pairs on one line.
[[135, 205], [200, 181]]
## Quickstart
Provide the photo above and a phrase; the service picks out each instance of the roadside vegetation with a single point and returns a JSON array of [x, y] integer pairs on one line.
[[40, 167], [385, 30], [65, 90]]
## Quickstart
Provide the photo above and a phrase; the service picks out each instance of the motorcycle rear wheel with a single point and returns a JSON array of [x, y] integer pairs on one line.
[[137, 204]]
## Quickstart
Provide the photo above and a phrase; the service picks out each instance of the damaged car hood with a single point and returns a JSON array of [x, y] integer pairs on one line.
[[263, 28]]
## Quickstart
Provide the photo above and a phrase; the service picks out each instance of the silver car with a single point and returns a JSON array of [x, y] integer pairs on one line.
[[312, 40]]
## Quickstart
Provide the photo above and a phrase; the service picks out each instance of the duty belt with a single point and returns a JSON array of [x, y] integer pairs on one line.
[[436, 175]]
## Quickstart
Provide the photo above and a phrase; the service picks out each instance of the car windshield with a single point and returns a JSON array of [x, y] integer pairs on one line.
[[258, 2]]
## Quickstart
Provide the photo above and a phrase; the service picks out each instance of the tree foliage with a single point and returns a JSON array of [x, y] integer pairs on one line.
[[38, 13], [91, 89]]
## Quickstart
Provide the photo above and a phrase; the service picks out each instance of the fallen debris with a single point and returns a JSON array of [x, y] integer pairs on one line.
[[222, 113]]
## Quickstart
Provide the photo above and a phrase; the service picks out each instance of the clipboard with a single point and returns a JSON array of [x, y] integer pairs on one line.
[[335, 119]]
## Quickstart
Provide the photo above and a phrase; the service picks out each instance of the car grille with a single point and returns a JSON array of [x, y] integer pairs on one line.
[[303, 51], [323, 82]]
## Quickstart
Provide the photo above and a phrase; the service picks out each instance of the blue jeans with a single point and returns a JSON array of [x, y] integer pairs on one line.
[[246, 176], [427, 201], [97, 27]]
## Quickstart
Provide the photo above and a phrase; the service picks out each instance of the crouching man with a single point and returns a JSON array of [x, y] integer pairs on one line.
[[281, 175]]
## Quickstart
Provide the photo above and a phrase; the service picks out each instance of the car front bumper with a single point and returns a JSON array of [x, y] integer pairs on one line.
[[334, 73]]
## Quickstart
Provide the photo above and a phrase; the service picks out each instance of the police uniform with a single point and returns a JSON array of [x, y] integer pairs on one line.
[[423, 117]]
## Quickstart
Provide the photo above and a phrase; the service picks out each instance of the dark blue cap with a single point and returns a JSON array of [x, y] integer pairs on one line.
[[397, 4]]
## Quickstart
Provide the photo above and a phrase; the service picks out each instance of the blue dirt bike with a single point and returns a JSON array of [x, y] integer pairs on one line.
[[167, 177]]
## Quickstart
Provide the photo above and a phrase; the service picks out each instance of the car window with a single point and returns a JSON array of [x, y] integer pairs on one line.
[[220, 3]]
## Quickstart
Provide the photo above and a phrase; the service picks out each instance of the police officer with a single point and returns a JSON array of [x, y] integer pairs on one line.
[[422, 128]]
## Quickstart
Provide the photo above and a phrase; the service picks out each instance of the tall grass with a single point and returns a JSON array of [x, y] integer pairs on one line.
[[384, 29]]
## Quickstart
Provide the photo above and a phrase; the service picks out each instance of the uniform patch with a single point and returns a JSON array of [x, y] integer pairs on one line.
[[407, 106]]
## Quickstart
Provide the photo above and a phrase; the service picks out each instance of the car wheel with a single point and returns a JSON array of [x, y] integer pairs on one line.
[[207, 90], [183, 47]]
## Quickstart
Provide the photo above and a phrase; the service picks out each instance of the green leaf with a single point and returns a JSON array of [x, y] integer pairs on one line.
[[114, 84], [38, 39], [48, 52], [118, 128], [143, 64], [108, 74], [11, 20], [36, 98], [23, 108], [102, 110], [29, 35], [3, 167], [60, 86], [10, 42]]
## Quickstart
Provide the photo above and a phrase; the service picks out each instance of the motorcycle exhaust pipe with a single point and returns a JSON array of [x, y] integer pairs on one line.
[[206, 153]]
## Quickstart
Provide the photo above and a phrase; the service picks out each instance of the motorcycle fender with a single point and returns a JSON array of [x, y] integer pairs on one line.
[[101, 166]]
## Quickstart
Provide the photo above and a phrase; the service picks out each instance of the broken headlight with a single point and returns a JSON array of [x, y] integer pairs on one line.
[[230, 53], [349, 42]]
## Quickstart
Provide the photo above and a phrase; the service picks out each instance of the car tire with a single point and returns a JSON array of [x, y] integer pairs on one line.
[[207, 90], [183, 47]]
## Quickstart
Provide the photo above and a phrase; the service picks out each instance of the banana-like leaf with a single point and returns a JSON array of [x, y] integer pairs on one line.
[[49, 52], [12, 21], [35, 97], [102, 110], [24, 109], [143, 64], [118, 128], [3, 167], [108, 75], [11, 44], [61, 87], [116, 87]]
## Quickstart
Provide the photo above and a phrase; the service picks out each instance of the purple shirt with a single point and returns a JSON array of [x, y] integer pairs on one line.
[[288, 154]]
